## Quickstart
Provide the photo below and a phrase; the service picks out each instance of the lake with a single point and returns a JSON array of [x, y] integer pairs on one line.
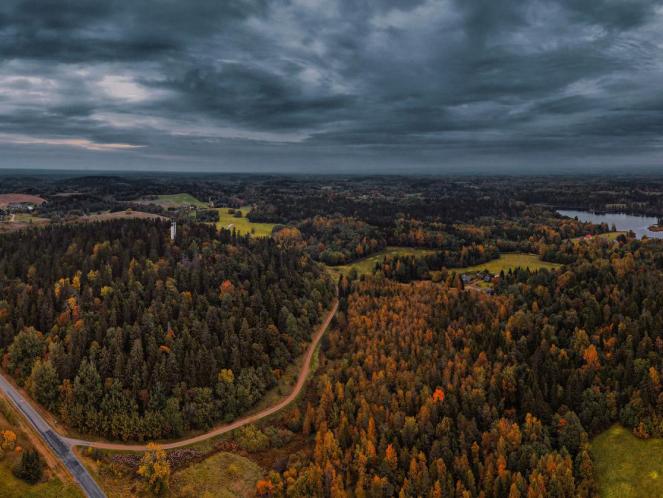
[[638, 224]]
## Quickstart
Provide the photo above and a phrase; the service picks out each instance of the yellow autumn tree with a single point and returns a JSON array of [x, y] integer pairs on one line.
[[8, 440], [155, 469]]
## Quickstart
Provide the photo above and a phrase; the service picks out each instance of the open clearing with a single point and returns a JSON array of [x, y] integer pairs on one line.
[[124, 215], [6, 199], [223, 475], [627, 467], [174, 201], [607, 235], [510, 261], [365, 266], [243, 225], [18, 221]]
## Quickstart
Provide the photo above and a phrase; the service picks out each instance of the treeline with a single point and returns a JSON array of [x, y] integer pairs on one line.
[[430, 390], [408, 268], [340, 240], [337, 240], [378, 210], [129, 336]]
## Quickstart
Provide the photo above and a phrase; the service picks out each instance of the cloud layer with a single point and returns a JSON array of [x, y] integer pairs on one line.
[[331, 85]]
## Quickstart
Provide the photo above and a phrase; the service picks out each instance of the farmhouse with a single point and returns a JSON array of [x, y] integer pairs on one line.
[[20, 207]]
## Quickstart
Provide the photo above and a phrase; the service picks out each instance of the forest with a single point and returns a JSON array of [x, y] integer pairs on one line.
[[436, 379], [128, 335], [430, 390]]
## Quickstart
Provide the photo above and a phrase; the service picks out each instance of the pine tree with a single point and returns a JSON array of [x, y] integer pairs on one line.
[[29, 467], [44, 384]]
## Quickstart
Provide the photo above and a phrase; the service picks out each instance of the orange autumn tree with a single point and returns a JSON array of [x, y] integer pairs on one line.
[[264, 489], [391, 457]]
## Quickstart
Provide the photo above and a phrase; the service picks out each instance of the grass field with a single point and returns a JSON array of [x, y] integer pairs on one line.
[[365, 266], [174, 201], [606, 235], [12, 487], [511, 261], [243, 225], [627, 467], [19, 221], [178, 200], [125, 215], [223, 474]]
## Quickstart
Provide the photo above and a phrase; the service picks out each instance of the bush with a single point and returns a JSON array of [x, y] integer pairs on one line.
[[233, 470], [278, 437], [30, 467], [251, 438], [7, 440]]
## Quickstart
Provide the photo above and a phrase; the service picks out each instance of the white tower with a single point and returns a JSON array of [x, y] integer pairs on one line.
[[173, 230]]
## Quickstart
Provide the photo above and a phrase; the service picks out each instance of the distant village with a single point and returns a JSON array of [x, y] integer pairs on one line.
[[9, 207]]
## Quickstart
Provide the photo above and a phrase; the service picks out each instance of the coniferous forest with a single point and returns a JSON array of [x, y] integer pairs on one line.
[[433, 390], [128, 335]]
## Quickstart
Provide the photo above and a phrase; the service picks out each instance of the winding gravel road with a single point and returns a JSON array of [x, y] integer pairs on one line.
[[240, 422], [62, 445]]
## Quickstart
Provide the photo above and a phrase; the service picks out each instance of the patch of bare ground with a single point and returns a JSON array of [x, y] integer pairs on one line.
[[7, 199]]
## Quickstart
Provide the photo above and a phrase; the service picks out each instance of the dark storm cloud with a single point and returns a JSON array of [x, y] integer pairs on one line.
[[330, 84]]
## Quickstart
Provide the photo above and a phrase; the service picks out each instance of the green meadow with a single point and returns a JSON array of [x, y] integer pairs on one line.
[[243, 225], [627, 467], [511, 261], [365, 266]]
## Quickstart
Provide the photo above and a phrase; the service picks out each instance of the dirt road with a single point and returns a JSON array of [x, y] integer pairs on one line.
[[249, 419]]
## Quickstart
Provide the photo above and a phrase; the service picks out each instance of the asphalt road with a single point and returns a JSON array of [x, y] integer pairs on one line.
[[60, 446]]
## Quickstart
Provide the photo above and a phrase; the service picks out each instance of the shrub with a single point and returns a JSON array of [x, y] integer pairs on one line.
[[251, 438], [8, 441], [30, 467]]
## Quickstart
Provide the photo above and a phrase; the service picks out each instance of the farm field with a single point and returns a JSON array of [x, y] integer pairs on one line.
[[365, 266], [174, 201], [19, 221], [128, 214], [243, 225], [627, 467], [6, 199], [511, 261]]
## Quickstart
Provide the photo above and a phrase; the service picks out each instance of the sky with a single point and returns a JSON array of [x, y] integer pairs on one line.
[[332, 86]]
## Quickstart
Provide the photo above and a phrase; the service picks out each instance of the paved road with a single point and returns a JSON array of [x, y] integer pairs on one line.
[[61, 446]]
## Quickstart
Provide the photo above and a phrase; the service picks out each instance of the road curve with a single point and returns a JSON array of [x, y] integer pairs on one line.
[[58, 444], [222, 429]]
